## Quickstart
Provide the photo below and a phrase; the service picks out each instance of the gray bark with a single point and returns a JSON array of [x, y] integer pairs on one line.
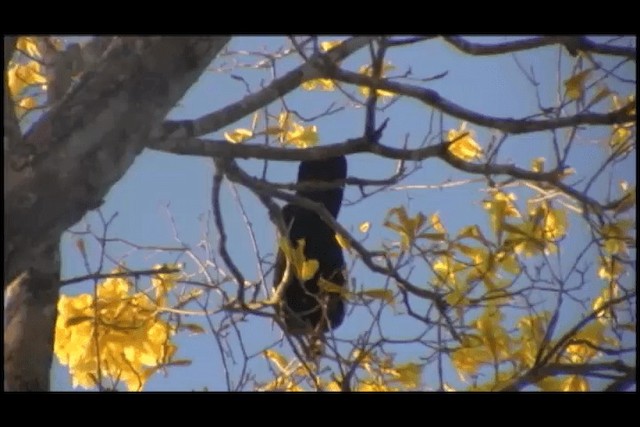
[[64, 167]]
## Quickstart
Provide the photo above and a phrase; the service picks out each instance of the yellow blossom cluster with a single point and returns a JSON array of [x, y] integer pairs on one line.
[[115, 334]]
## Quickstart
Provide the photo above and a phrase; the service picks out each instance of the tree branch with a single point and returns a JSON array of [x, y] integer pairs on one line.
[[135, 274], [222, 235], [236, 174], [624, 382], [573, 44], [544, 368], [219, 148], [86, 143], [514, 126], [583, 369], [94, 134], [253, 102]]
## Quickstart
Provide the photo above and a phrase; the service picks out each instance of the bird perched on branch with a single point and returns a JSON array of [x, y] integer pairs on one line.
[[306, 305]]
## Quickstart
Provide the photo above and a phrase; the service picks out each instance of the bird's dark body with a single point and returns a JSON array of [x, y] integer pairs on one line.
[[305, 308]]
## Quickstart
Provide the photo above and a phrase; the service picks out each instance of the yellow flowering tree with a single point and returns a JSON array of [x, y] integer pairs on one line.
[[488, 221], [117, 334]]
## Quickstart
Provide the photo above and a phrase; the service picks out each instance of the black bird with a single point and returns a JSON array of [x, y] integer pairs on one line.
[[305, 307]]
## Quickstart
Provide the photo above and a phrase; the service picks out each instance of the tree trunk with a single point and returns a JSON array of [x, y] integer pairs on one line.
[[30, 315], [78, 150]]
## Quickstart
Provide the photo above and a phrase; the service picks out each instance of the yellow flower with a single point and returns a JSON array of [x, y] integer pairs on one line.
[[329, 44], [622, 139], [330, 287], [410, 228], [587, 340], [485, 265], [292, 133], [437, 224], [463, 145], [239, 135], [628, 198], [20, 76], [344, 243], [458, 296], [602, 93], [616, 236], [499, 207], [467, 360], [369, 385], [164, 282], [25, 105], [367, 70], [29, 46], [567, 383], [301, 136], [493, 335], [575, 84], [608, 293], [114, 337], [332, 386], [304, 269], [286, 380], [382, 294], [539, 233], [488, 344], [326, 85], [277, 359], [537, 164], [610, 268], [323, 84], [409, 375], [575, 383], [532, 331], [446, 269]]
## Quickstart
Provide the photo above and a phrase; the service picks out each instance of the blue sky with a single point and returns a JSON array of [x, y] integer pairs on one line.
[[163, 191]]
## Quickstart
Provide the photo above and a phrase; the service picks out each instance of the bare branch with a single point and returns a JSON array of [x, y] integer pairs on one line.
[[253, 102], [129, 273], [514, 126], [222, 235], [573, 44], [193, 146]]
